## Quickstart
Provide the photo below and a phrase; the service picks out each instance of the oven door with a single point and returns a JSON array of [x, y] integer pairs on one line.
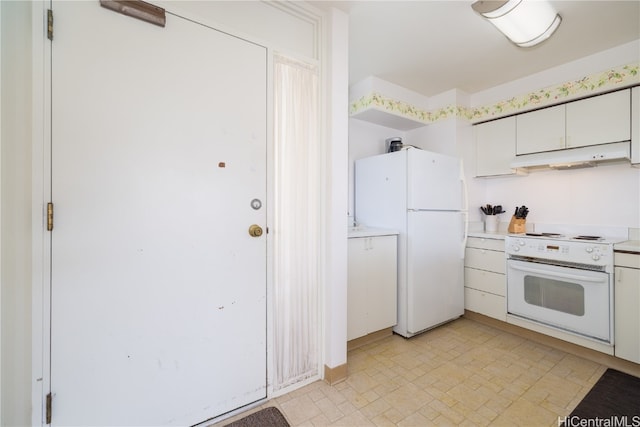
[[568, 298]]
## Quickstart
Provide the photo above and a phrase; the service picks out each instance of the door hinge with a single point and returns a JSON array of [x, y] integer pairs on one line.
[[50, 24], [48, 415], [49, 216]]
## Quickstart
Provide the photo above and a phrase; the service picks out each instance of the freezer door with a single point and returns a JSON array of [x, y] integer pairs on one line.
[[435, 269], [381, 191], [434, 181]]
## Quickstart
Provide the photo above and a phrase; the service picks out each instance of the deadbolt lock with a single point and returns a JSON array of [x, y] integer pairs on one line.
[[255, 230]]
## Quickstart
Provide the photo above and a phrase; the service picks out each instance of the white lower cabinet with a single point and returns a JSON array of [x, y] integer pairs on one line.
[[372, 285], [485, 281], [627, 301]]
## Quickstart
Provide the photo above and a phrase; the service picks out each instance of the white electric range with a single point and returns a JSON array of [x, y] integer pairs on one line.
[[563, 281]]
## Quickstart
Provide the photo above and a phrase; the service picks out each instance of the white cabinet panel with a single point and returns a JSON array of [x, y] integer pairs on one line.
[[599, 120], [540, 130], [372, 285], [485, 303], [357, 288], [485, 259], [627, 260], [495, 147], [627, 315], [482, 243], [486, 281]]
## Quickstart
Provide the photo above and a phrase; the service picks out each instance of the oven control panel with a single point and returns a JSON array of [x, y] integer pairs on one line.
[[591, 253]]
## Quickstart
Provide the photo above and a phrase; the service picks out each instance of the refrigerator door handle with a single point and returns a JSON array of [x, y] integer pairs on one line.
[[465, 227], [463, 181], [465, 210]]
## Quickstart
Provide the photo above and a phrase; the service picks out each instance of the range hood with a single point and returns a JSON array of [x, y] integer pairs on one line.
[[575, 157]]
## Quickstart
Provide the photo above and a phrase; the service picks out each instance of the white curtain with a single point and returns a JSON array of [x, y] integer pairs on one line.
[[297, 222]]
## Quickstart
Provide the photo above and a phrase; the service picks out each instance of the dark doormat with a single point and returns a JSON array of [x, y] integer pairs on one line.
[[267, 417], [614, 398]]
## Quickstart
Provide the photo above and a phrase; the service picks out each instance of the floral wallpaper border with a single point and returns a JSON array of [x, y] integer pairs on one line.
[[626, 75]]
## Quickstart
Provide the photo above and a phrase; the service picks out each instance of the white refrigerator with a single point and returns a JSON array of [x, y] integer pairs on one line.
[[422, 195]]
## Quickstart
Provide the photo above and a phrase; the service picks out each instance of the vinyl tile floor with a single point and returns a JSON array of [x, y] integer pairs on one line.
[[461, 374]]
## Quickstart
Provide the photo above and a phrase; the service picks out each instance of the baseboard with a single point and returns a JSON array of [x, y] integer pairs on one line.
[[586, 353], [335, 375], [369, 338]]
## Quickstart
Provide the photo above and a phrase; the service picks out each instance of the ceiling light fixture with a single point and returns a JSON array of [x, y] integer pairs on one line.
[[525, 22]]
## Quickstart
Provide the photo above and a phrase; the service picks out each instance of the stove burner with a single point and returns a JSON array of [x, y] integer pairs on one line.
[[588, 238]]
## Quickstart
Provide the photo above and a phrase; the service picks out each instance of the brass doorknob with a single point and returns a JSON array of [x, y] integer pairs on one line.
[[255, 231]]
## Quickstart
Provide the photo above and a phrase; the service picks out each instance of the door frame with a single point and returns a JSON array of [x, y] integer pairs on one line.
[[41, 195]]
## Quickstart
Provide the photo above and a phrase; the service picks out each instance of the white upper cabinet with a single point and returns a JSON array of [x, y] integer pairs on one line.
[[495, 147], [541, 130], [635, 125], [599, 120]]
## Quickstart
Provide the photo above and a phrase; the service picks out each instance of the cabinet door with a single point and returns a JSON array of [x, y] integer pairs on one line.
[[486, 281], [484, 259], [541, 130], [635, 125], [627, 316], [485, 303], [484, 243], [357, 280], [495, 147], [372, 285], [382, 289], [599, 120]]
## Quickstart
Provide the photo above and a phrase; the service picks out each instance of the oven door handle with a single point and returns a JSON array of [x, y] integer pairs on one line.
[[556, 274]]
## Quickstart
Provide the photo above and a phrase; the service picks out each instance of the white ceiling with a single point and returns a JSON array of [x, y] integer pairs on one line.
[[432, 46]]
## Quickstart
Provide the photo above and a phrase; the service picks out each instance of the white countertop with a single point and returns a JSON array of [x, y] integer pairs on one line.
[[363, 231], [628, 246]]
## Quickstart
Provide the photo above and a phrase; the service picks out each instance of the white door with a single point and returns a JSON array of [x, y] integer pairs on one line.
[[158, 290]]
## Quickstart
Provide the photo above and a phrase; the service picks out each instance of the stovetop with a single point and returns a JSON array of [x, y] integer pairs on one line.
[[586, 238], [584, 249], [567, 244]]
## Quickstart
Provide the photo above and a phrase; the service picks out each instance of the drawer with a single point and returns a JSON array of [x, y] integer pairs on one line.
[[487, 281], [485, 260], [485, 303], [626, 260], [482, 243]]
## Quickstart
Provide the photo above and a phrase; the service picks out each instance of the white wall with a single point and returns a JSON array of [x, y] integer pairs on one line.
[[627, 53], [262, 22], [335, 347], [607, 195], [15, 230]]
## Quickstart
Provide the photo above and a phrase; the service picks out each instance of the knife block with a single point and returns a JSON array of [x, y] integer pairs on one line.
[[517, 225]]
